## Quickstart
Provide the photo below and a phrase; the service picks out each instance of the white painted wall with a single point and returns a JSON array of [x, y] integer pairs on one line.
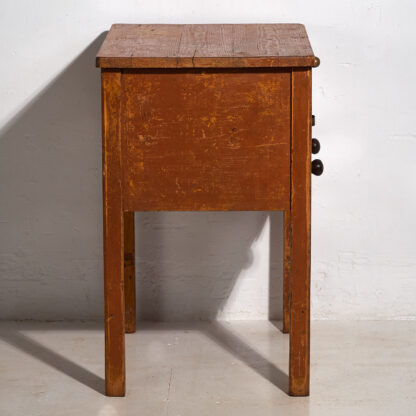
[[207, 265]]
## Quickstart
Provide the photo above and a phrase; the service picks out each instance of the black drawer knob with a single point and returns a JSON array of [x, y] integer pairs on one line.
[[316, 146], [317, 167], [313, 120]]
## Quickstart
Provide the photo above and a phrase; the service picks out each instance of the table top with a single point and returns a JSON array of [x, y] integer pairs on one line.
[[205, 46]]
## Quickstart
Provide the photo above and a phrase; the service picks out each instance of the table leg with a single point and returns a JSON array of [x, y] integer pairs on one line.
[[113, 235], [129, 273], [301, 217], [287, 270]]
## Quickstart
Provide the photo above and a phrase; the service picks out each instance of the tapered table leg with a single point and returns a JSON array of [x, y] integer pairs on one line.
[[301, 235], [129, 273], [113, 236]]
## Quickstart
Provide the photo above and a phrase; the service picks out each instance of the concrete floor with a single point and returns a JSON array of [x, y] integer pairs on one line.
[[239, 368]]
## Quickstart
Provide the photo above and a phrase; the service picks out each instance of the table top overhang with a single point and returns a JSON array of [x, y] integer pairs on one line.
[[205, 46]]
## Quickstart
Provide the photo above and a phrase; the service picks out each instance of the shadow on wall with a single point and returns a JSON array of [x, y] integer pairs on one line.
[[50, 212], [188, 265], [51, 222]]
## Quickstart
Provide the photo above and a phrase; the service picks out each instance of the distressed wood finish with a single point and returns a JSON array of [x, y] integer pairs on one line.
[[129, 273], [301, 233], [206, 46], [206, 117], [113, 235], [209, 140], [287, 270]]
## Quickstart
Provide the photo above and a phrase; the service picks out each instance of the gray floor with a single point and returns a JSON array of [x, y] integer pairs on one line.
[[238, 368]]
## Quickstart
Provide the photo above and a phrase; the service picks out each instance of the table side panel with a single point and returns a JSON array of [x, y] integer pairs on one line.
[[206, 140]]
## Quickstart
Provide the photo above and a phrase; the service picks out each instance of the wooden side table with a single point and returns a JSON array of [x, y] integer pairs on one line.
[[206, 117]]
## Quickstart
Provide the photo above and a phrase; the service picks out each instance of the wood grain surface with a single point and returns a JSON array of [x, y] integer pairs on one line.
[[129, 273], [287, 270], [211, 140], [205, 46], [113, 235], [301, 233]]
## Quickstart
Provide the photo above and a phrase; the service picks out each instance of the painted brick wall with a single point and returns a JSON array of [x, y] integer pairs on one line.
[[208, 265]]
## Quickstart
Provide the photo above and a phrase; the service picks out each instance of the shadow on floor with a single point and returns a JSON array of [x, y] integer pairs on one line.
[[52, 359], [253, 359], [215, 331]]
